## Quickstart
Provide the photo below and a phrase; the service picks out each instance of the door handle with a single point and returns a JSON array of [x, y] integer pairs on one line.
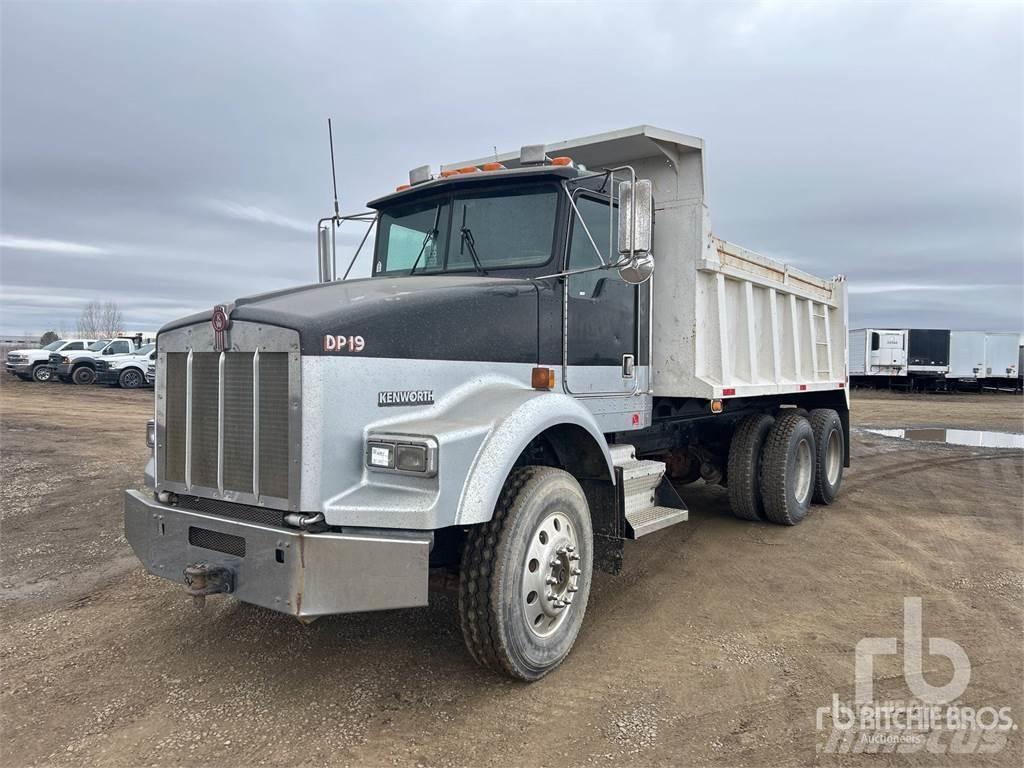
[[628, 363]]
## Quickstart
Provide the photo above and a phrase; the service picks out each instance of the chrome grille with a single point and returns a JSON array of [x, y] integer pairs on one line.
[[228, 429]]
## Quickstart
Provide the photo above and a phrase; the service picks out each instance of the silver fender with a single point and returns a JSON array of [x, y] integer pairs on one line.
[[521, 416]]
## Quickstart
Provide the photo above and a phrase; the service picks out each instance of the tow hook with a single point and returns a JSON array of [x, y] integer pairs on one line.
[[202, 579]]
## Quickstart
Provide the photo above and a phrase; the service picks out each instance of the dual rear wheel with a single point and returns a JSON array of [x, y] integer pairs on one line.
[[779, 466]]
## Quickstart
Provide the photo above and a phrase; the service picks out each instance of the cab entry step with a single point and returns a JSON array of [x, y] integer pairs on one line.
[[649, 502], [654, 519]]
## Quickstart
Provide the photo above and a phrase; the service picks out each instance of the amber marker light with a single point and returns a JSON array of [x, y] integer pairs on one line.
[[543, 378]]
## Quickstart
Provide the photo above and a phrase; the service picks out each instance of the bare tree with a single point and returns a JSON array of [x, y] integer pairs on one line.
[[100, 320], [89, 320], [48, 338], [111, 320]]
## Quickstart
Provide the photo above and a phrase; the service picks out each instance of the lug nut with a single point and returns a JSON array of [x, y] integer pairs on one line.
[[551, 580], [573, 588], [576, 571], [574, 558]]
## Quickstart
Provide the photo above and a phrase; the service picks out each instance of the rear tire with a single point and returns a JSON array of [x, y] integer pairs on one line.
[[83, 375], [42, 373], [130, 378], [787, 472], [525, 575], [744, 472], [829, 454]]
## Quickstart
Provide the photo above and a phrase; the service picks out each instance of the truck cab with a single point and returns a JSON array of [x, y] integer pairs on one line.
[[511, 393], [34, 364]]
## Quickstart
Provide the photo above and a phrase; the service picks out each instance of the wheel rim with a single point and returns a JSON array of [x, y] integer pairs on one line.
[[551, 574], [42, 373], [833, 457], [131, 379], [83, 376], [802, 475]]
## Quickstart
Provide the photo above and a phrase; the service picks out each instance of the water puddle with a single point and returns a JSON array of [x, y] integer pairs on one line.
[[970, 437]]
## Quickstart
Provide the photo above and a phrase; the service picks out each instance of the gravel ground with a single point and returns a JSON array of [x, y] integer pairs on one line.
[[715, 647]]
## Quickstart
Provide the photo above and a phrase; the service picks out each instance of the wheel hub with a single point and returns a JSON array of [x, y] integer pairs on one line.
[[551, 574]]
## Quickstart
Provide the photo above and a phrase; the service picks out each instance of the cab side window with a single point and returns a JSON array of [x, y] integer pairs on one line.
[[117, 348], [581, 251], [74, 345]]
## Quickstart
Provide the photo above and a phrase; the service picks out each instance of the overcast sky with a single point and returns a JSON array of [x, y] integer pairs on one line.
[[171, 156]]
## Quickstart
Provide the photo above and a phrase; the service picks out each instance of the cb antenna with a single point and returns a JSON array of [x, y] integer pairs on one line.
[[334, 175]]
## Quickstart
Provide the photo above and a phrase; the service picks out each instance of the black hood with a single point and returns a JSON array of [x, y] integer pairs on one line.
[[419, 317]]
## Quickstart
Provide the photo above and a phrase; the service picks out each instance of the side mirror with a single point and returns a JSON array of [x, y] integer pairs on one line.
[[636, 218], [325, 252]]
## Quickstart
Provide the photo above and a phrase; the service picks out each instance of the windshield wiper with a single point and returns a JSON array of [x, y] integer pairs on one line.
[[467, 240], [430, 236]]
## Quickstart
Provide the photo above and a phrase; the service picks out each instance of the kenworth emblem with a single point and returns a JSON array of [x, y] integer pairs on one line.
[[220, 321], [405, 397]]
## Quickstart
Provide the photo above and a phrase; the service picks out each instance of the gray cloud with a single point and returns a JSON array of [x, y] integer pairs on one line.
[[173, 155]]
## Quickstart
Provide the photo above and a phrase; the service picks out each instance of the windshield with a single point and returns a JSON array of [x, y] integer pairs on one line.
[[96, 346], [145, 350], [474, 231], [53, 346]]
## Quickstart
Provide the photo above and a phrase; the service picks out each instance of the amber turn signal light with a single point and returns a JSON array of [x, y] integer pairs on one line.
[[543, 378]]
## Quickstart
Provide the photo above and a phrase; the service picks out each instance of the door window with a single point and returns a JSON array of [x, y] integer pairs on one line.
[[117, 348]]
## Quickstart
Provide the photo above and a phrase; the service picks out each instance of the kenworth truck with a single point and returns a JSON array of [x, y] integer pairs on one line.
[[550, 346]]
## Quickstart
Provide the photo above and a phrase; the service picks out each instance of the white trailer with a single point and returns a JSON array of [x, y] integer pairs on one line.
[[1002, 356], [966, 355], [877, 352]]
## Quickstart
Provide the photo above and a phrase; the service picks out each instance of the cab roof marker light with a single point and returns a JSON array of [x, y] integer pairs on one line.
[[493, 167], [566, 161], [403, 187], [448, 173], [468, 169], [420, 175]]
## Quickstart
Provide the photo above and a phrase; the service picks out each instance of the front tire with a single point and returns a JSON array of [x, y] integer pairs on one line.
[[525, 576], [83, 375], [42, 373], [787, 472], [829, 454], [130, 378]]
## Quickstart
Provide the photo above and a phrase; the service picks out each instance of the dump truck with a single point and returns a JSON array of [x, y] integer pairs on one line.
[[550, 346]]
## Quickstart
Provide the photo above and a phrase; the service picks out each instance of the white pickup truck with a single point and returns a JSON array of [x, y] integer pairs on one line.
[[126, 371], [80, 367], [34, 364]]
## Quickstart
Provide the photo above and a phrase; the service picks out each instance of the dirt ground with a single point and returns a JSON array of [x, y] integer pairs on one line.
[[715, 647]]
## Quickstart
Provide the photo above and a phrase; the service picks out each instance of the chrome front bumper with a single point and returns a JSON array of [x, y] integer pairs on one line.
[[302, 574]]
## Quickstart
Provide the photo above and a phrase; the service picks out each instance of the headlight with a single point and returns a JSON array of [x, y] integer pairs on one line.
[[405, 454], [150, 433], [66, 360]]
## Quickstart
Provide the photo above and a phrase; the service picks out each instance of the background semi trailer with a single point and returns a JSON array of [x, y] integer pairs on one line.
[[877, 356], [508, 397]]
